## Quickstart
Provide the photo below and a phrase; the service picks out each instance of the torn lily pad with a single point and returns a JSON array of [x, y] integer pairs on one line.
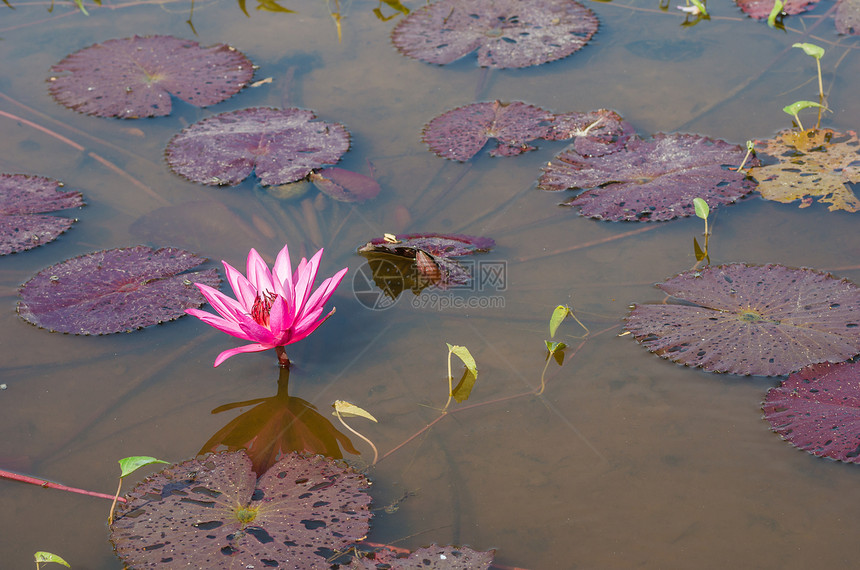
[[433, 557], [505, 33], [652, 179], [461, 133], [23, 200], [116, 290], [818, 410], [213, 512], [135, 77], [766, 320], [278, 145], [812, 164]]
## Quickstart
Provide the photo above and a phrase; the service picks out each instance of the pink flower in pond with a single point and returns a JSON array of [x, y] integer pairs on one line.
[[272, 308]]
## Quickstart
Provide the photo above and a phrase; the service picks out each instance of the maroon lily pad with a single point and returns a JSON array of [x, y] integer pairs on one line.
[[506, 33], [22, 199], [345, 185], [433, 557], [595, 133], [214, 513], [116, 290], [767, 320], [280, 145], [461, 133], [848, 17], [818, 410], [134, 77], [438, 245], [651, 180], [760, 9]]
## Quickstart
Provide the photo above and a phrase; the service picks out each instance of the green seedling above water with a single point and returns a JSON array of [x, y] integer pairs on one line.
[[817, 52], [555, 349], [464, 388], [343, 408], [44, 557], [798, 106], [703, 211], [774, 20], [750, 152], [129, 465]]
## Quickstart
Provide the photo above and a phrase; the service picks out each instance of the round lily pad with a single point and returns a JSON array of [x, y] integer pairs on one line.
[[767, 320], [134, 77], [116, 290], [213, 513], [505, 33], [22, 200], [818, 410], [461, 133], [650, 180], [279, 145]]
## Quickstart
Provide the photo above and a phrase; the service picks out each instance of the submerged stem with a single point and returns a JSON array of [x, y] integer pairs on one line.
[[370, 443]]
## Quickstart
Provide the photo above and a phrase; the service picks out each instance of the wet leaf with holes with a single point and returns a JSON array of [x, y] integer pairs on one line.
[[438, 245], [213, 513], [22, 201], [594, 133], [461, 133], [818, 410], [433, 557], [654, 179], [812, 163], [116, 290], [767, 320], [135, 77], [848, 17], [505, 33], [760, 9], [279, 145]]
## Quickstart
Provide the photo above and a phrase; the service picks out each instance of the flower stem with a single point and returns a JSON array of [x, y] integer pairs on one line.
[[283, 359]]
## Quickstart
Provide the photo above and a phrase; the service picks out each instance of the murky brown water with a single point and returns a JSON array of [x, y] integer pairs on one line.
[[626, 461]]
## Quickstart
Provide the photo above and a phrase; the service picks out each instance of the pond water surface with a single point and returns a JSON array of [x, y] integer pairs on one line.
[[625, 461]]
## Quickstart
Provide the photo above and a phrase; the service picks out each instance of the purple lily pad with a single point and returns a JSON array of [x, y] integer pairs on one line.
[[22, 199], [116, 290], [280, 145], [345, 185], [506, 33], [651, 180], [818, 410], [595, 133], [848, 17], [433, 557], [461, 133], [438, 245], [214, 513], [760, 9], [134, 77], [767, 320]]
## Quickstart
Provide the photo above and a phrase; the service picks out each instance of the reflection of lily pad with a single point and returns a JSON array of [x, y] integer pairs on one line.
[[213, 513], [345, 185], [22, 199], [818, 410], [506, 33], [650, 180], [280, 146], [114, 290], [433, 557], [134, 77], [813, 163], [461, 133], [767, 320]]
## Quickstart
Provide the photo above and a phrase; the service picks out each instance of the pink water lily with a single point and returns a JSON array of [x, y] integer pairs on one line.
[[272, 308]]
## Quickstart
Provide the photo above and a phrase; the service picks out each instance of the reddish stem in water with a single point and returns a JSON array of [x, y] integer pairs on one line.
[[283, 359], [52, 485]]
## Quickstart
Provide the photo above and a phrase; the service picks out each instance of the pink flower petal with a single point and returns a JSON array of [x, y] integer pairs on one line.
[[239, 350], [228, 308], [222, 325], [282, 274], [306, 279], [245, 293], [258, 273]]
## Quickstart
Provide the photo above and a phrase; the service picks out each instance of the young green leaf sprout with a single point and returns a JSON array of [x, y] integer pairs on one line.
[[750, 152], [702, 211], [817, 52], [797, 107], [129, 465], [555, 350], [343, 408], [462, 391], [775, 13], [43, 557]]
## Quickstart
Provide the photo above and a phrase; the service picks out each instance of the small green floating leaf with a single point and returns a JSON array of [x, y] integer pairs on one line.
[[702, 209], [558, 315], [810, 49], [464, 388], [556, 350], [129, 465], [48, 557], [798, 106], [463, 354]]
